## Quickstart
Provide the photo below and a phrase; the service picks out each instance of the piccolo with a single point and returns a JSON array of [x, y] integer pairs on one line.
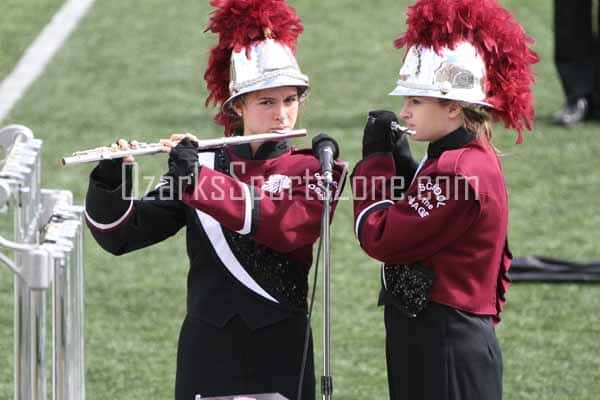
[[396, 127], [108, 153]]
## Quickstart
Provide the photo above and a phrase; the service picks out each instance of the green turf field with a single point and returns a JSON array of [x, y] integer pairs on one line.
[[20, 22], [134, 69]]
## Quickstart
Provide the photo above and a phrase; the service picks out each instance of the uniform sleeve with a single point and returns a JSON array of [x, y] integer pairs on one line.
[[121, 224], [285, 220], [436, 211]]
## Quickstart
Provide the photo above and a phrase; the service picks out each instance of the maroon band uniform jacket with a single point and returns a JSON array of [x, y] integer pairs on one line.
[[452, 219], [251, 223]]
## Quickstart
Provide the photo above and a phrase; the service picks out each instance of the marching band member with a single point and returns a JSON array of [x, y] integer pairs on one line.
[[444, 243], [252, 214]]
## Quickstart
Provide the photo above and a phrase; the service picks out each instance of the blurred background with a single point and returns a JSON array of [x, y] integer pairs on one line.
[[134, 69]]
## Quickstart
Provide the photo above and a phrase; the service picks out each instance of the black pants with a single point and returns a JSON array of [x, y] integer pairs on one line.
[[576, 50], [443, 354], [233, 360]]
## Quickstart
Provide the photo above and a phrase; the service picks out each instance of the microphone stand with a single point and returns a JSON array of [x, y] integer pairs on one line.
[[326, 149], [326, 379]]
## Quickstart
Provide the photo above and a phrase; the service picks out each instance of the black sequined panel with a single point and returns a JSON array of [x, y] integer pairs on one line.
[[410, 285], [281, 277]]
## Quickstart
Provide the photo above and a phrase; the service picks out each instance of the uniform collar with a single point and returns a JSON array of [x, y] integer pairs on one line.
[[265, 151], [452, 141]]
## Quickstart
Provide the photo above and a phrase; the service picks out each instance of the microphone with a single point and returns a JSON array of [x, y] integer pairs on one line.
[[326, 149]]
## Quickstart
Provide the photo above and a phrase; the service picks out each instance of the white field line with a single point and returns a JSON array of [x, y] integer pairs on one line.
[[40, 52]]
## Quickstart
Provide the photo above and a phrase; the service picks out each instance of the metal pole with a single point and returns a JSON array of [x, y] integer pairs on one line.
[[38, 343], [29, 328], [60, 329], [21, 339], [326, 379], [69, 347], [79, 311], [38, 297]]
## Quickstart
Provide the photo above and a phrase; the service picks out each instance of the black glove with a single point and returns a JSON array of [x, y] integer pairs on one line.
[[183, 165], [378, 135], [401, 146], [406, 166]]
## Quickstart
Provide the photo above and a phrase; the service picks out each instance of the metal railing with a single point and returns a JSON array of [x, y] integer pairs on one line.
[[47, 254]]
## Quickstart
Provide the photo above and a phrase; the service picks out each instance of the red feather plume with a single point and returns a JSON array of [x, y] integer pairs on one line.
[[239, 23], [499, 39]]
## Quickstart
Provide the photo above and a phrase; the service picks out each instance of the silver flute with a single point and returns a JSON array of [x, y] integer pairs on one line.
[[396, 127], [108, 153]]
